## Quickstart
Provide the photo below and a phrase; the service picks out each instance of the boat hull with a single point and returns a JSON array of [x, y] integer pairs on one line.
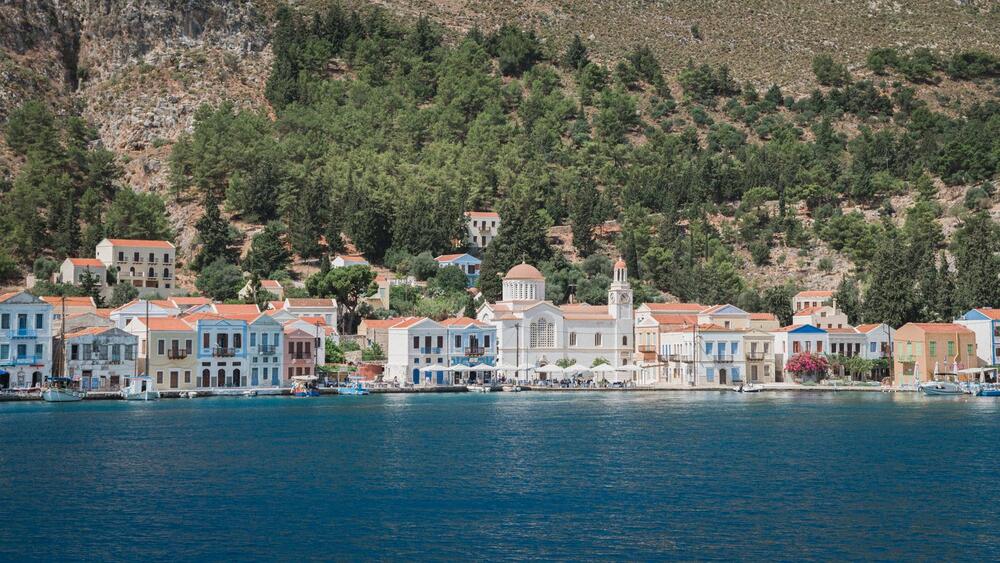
[[309, 393], [61, 396], [941, 389], [141, 396], [988, 393]]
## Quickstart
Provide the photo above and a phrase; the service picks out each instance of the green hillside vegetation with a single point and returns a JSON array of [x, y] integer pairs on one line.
[[385, 133]]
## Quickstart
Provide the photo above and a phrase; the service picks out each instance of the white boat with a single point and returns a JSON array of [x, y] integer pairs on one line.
[[140, 388], [58, 391], [936, 388], [190, 394], [748, 388], [512, 388], [250, 393], [478, 388]]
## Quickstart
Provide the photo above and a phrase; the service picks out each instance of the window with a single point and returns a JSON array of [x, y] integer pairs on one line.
[[222, 340], [541, 334], [206, 341], [166, 272], [152, 257], [74, 352], [187, 377], [486, 341], [39, 320], [871, 347], [160, 344], [135, 256], [159, 376], [427, 342], [968, 351], [572, 339], [121, 256], [708, 347], [416, 342], [440, 341], [796, 347], [237, 340], [166, 257], [734, 347], [39, 350], [951, 348], [625, 340], [458, 341], [5, 320], [253, 338], [187, 346], [5, 351], [932, 347]]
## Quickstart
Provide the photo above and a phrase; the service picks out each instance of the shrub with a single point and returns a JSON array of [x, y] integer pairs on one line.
[[829, 72]]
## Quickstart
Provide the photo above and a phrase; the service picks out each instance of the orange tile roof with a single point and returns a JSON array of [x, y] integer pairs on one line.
[[103, 312], [942, 328], [190, 301], [140, 242], [788, 328], [56, 301], [167, 323], [165, 303], [815, 293], [448, 257], [276, 305], [383, 323], [675, 307], [483, 214], [8, 295], [462, 321], [309, 302], [270, 284], [86, 262], [359, 258], [763, 317], [675, 319], [236, 309], [409, 321], [866, 328], [990, 313]]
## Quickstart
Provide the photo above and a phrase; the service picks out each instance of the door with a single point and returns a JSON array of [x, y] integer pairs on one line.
[[36, 379], [4, 380], [173, 380], [85, 379], [722, 377], [253, 378], [416, 376], [206, 378], [440, 378], [115, 381]]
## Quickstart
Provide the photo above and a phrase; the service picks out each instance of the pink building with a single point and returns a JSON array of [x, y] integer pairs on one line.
[[299, 358]]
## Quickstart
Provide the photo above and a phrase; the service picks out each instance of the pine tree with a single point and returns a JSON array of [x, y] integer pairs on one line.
[[848, 297], [583, 216], [267, 252], [575, 57], [470, 307], [889, 294], [90, 284], [978, 263], [217, 237], [522, 238]]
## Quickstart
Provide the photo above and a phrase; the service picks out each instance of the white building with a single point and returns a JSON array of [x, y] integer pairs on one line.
[[72, 271], [822, 316], [532, 332], [271, 286], [306, 307], [482, 228], [796, 339], [704, 354], [140, 308], [345, 260], [100, 357], [25, 340], [812, 298], [146, 264]]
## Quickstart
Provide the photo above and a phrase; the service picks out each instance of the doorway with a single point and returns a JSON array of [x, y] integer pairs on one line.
[[173, 380], [722, 377], [206, 378]]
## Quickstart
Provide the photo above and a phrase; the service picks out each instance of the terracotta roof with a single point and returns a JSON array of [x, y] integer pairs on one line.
[[807, 311], [409, 321], [674, 307], [56, 301], [140, 242], [276, 305], [939, 328], [270, 284], [619, 264], [165, 303], [866, 328], [103, 312], [483, 214], [236, 309], [763, 317], [463, 321], [990, 313], [351, 258], [788, 328], [675, 319], [448, 257], [383, 323], [291, 329], [86, 262], [88, 330], [524, 271], [8, 295], [167, 323], [815, 293], [309, 302], [704, 327], [318, 321]]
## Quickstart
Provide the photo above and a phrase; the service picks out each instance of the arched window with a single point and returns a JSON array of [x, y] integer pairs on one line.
[[206, 378], [542, 334], [166, 272], [222, 378], [152, 272], [236, 378], [625, 340], [131, 271]]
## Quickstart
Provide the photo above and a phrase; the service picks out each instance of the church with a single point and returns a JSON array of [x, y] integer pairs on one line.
[[532, 332]]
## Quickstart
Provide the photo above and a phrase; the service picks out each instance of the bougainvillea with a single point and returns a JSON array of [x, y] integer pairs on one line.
[[807, 363]]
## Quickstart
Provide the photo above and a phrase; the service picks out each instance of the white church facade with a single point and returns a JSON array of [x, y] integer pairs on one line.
[[533, 332]]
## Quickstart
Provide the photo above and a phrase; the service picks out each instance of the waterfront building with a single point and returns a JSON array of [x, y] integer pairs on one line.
[[481, 228], [927, 351], [73, 270], [271, 286], [533, 332], [764, 321], [650, 345], [100, 358], [320, 332], [323, 308], [985, 323], [468, 263], [878, 340], [758, 352], [299, 346], [703, 354], [414, 344], [822, 316], [25, 340], [157, 309], [647, 309], [470, 342], [795, 339], [376, 331], [811, 298], [166, 351], [265, 351], [222, 348], [345, 260], [68, 306], [77, 321], [146, 264]]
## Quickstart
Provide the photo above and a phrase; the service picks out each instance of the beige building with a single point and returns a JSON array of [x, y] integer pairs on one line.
[[822, 316], [66, 306], [928, 351], [758, 349], [72, 270], [482, 228], [812, 298], [146, 264], [168, 353]]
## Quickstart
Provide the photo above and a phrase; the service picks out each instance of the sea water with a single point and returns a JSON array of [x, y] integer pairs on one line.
[[625, 476]]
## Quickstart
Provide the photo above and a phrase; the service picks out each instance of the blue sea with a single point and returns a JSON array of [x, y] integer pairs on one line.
[[551, 476]]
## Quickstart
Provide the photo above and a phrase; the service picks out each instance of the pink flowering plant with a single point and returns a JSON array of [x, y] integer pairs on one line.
[[807, 364]]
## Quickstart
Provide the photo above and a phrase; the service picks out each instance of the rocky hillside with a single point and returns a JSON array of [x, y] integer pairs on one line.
[[137, 70]]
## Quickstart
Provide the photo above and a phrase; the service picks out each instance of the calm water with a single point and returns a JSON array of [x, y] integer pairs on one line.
[[499, 476]]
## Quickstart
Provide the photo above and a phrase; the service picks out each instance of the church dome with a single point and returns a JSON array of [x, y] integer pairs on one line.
[[619, 264], [524, 271]]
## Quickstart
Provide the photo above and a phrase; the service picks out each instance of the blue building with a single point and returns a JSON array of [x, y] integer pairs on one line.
[[222, 349], [985, 322], [468, 263], [470, 342]]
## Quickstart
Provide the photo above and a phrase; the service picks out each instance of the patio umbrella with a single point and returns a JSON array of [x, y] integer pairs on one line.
[[461, 368], [551, 369], [483, 367], [602, 368]]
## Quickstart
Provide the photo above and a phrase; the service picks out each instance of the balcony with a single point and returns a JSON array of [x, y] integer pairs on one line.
[[475, 351], [720, 358], [427, 350], [756, 356], [301, 356], [647, 348], [266, 350], [22, 333], [27, 361], [221, 352], [906, 358], [177, 354]]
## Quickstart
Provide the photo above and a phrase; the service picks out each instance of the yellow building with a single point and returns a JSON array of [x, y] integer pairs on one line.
[[928, 351], [168, 353]]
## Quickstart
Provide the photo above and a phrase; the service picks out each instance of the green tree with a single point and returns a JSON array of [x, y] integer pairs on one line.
[[575, 57], [889, 295], [522, 237], [268, 252], [220, 280], [134, 215], [977, 260], [348, 286], [829, 72], [584, 215], [450, 279], [9, 271], [123, 293], [90, 283], [217, 237]]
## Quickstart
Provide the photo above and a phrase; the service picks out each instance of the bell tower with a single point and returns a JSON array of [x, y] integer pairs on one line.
[[620, 293]]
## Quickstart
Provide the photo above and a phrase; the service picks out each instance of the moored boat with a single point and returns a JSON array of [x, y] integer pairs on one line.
[[353, 389], [140, 388], [478, 388], [988, 390], [304, 386], [941, 388], [748, 388], [59, 391]]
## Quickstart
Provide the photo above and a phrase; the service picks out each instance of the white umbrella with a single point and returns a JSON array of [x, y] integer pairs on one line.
[[434, 368], [482, 367], [602, 368], [461, 368], [550, 368], [575, 369]]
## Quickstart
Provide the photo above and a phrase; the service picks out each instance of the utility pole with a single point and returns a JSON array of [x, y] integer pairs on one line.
[[517, 353]]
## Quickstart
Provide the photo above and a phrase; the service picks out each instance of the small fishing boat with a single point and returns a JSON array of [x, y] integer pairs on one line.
[[511, 388], [478, 388], [941, 388], [748, 388], [353, 389], [304, 386], [140, 388], [988, 390], [250, 393], [58, 391]]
